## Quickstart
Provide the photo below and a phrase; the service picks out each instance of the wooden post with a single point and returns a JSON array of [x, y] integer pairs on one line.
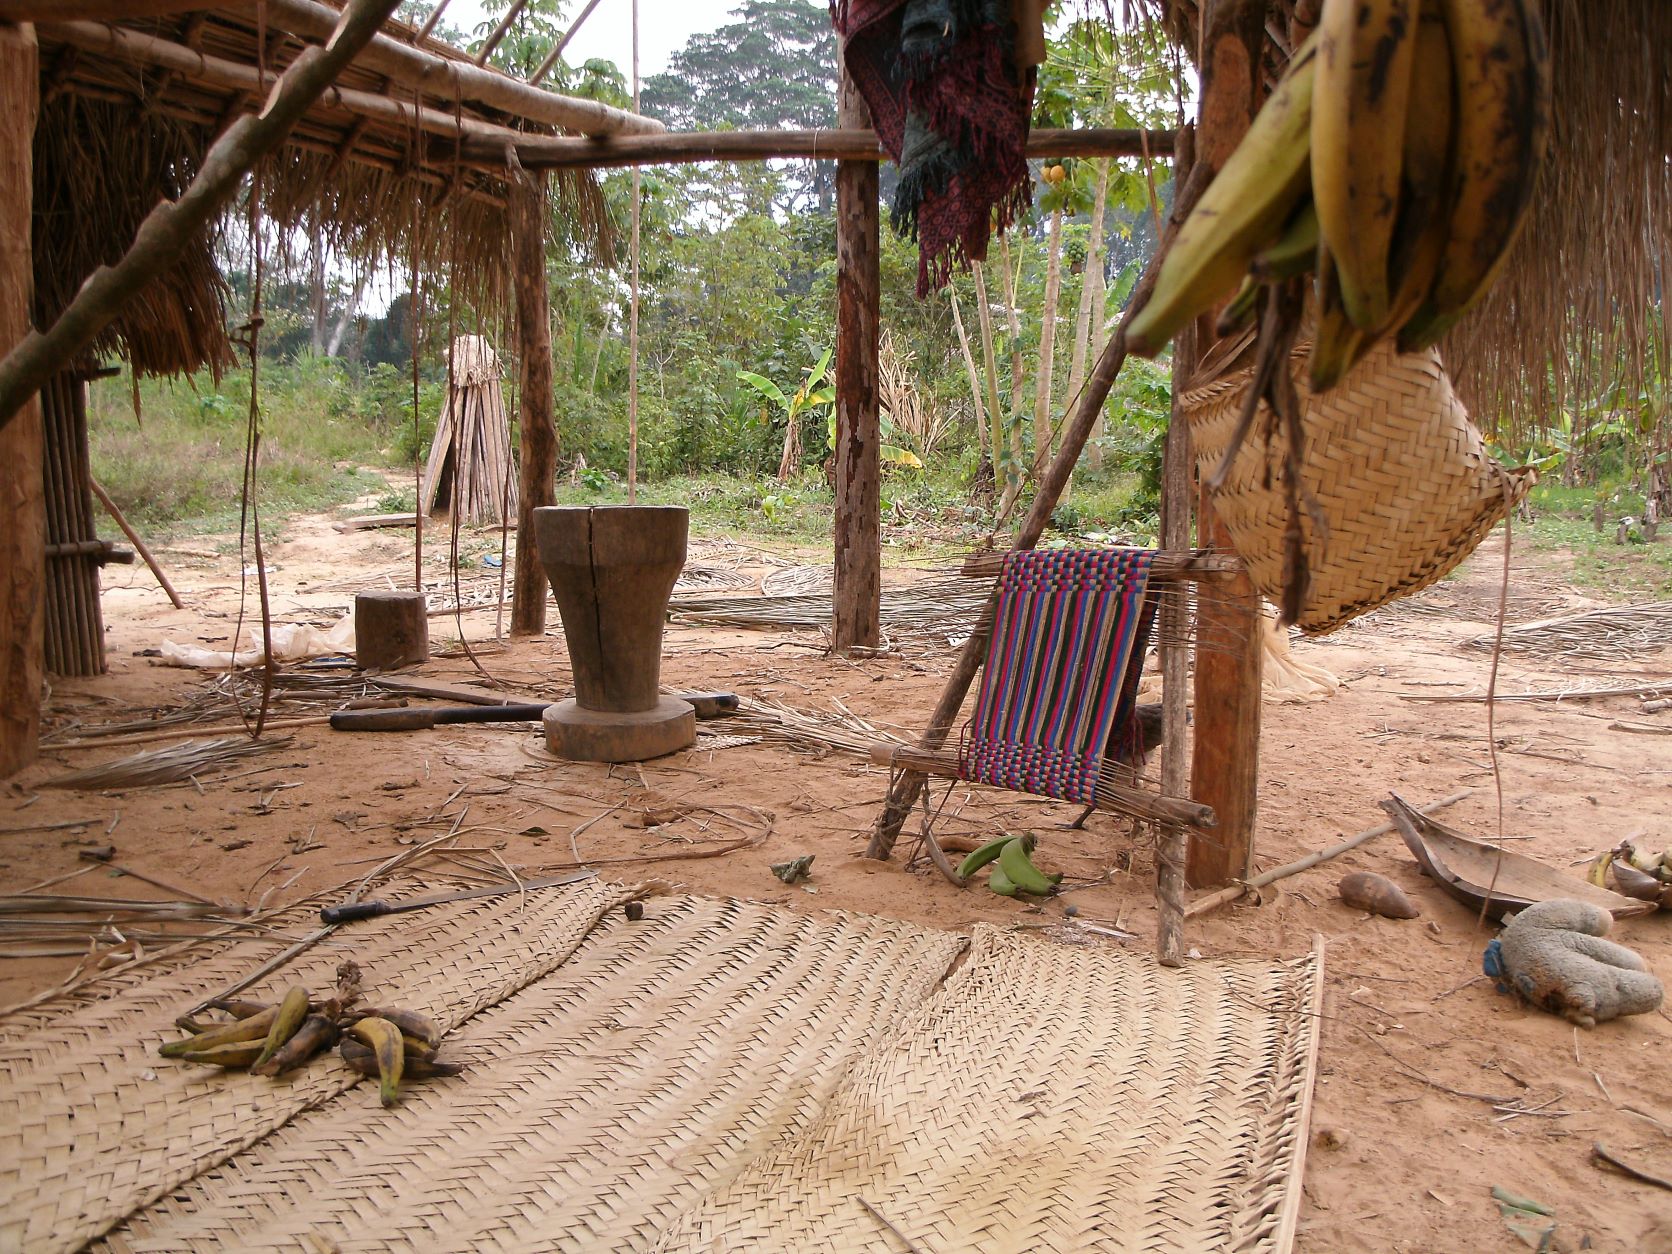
[[858, 523], [22, 465], [526, 205], [1225, 766]]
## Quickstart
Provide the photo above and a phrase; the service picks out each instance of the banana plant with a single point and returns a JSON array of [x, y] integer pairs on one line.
[[809, 396]]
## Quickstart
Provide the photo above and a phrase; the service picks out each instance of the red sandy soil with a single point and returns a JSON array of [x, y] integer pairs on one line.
[[1406, 1140]]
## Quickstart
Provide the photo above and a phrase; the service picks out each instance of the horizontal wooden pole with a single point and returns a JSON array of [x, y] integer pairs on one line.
[[676, 147], [450, 78], [219, 72], [1174, 811], [106, 10], [104, 550], [1198, 566]]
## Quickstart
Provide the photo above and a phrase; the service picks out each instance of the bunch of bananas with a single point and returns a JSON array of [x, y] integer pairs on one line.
[[1395, 161], [1013, 869], [385, 1043], [1636, 872]]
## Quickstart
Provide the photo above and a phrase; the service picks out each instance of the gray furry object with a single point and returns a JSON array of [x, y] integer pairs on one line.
[[1555, 957]]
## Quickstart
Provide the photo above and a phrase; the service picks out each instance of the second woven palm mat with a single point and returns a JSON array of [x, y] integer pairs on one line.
[[725, 1075]]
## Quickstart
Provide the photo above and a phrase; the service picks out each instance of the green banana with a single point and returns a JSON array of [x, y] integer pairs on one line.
[[1241, 310], [1362, 88], [384, 1038], [1020, 870], [1241, 212], [1336, 343], [1294, 253], [292, 1011], [1001, 883], [1501, 71], [254, 1028], [230, 1054], [979, 858]]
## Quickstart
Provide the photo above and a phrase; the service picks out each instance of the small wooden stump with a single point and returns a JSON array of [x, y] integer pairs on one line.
[[391, 630]]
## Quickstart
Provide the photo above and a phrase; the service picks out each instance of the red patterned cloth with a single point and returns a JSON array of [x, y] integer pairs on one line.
[[950, 87]]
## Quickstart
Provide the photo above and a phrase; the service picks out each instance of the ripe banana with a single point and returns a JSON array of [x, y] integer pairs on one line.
[[292, 1011], [316, 1033], [410, 1022], [364, 1061], [1421, 229], [979, 858], [1001, 883], [385, 1041], [1336, 343], [1502, 130], [1363, 84], [1020, 870], [254, 1028], [1241, 212], [1596, 870]]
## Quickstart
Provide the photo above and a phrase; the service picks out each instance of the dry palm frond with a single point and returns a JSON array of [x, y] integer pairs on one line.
[[932, 604], [165, 766], [1605, 633], [808, 731]]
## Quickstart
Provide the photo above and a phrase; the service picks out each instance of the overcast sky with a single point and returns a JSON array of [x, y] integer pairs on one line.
[[664, 28]]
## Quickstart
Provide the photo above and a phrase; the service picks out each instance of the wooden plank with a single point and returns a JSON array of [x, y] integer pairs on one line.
[[454, 694], [22, 448], [857, 598], [1225, 765], [369, 522], [847, 143], [536, 425]]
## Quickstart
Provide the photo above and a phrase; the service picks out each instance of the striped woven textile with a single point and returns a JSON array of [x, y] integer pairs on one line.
[[1067, 626]]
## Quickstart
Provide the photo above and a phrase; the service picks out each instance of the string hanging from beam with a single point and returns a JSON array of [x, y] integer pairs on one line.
[[633, 306]]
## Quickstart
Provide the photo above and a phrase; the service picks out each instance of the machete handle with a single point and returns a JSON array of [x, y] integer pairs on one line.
[[354, 910], [413, 718]]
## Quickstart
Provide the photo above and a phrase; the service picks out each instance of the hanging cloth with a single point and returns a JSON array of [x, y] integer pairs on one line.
[[949, 84]]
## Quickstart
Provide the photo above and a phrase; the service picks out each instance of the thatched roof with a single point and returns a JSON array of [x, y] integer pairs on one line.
[[1576, 308], [126, 118]]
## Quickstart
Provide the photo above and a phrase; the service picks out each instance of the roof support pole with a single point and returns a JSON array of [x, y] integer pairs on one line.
[[858, 524], [1225, 767], [22, 464], [536, 425]]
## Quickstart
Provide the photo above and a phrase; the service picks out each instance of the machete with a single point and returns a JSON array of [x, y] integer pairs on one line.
[[377, 909]]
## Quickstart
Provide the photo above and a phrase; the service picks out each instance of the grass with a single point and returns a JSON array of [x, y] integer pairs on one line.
[[1564, 532], [178, 467]]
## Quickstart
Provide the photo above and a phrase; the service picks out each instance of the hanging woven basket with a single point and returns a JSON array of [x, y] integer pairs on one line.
[[1399, 474]]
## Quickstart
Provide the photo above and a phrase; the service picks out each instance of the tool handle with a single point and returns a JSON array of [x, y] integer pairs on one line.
[[355, 910], [415, 719], [490, 713]]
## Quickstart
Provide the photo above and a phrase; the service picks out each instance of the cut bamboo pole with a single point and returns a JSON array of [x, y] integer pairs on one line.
[[172, 225], [1187, 565], [106, 10], [133, 539], [1227, 895]]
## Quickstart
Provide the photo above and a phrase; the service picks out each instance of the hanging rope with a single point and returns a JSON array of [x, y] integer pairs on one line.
[[633, 309], [415, 305]]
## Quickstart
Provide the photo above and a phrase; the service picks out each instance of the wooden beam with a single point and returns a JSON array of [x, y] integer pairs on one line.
[[545, 66], [857, 595], [845, 144], [499, 32], [536, 426], [106, 10], [456, 78], [1226, 764], [1135, 802], [22, 446], [1167, 566], [169, 228]]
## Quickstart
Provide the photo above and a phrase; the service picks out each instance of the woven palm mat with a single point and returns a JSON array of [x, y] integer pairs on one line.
[[93, 1125], [725, 1075]]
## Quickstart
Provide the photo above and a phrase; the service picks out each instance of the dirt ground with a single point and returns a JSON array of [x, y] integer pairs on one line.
[[1432, 1087]]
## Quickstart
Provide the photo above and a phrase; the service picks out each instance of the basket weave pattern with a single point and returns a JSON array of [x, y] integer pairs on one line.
[[1401, 476]]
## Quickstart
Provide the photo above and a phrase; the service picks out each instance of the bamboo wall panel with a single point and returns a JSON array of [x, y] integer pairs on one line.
[[74, 623]]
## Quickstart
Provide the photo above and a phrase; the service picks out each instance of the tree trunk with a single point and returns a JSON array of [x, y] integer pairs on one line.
[[1002, 465], [1018, 378], [858, 523], [316, 286], [1048, 341], [1225, 769], [537, 428], [1091, 284], [22, 462], [970, 368], [334, 346]]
